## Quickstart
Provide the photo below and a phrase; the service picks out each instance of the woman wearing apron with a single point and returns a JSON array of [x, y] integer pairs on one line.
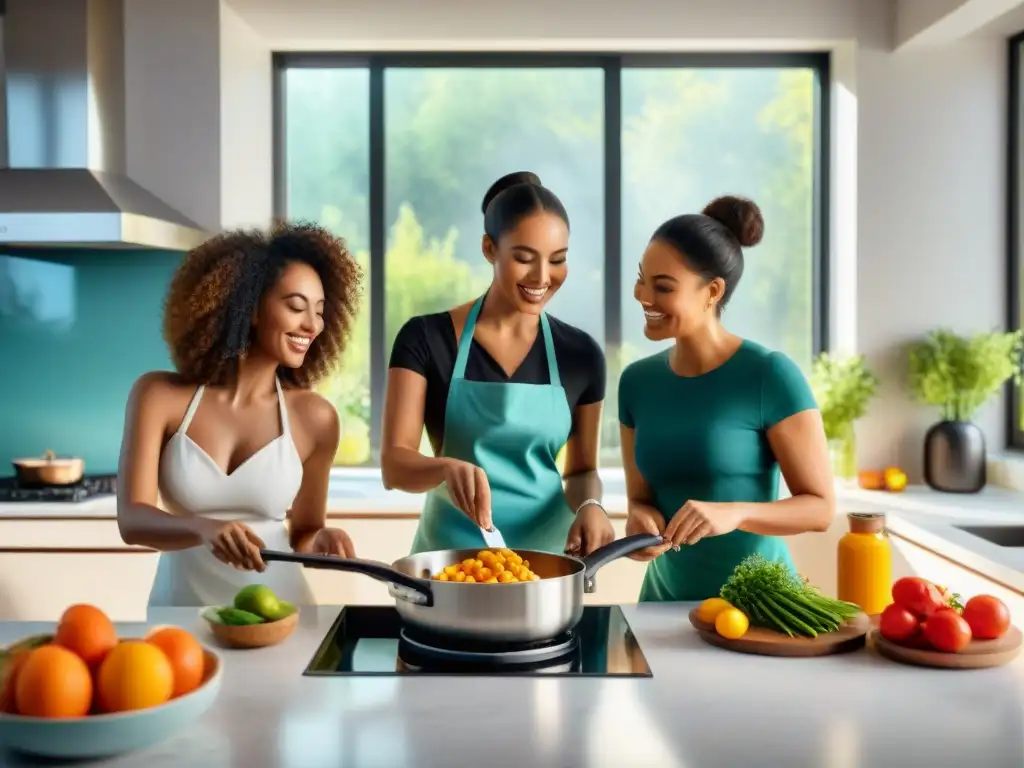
[[235, 443], [707, 423], [501, 387]]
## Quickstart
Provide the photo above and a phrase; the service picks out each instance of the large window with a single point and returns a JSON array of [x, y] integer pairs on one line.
[[1015, 238], [394, 152]]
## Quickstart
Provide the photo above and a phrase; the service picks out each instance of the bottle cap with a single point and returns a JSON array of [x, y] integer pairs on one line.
[[866, 522]]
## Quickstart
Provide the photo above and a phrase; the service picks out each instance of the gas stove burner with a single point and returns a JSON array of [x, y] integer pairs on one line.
[[415, 646], [86, 488]]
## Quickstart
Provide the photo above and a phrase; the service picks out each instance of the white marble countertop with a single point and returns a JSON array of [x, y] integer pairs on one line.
[[703, 707]]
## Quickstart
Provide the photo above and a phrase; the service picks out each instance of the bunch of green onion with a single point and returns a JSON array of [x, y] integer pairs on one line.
[[774, 597]]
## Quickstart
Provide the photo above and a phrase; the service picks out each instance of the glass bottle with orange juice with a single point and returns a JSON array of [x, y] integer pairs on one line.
[[865, 563]]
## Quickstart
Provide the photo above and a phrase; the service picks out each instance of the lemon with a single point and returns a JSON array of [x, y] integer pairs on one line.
[[732, 623], [710, 608]]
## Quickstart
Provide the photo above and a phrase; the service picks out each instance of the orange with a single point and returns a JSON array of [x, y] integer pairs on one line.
[[53, 682], [87, 631], [9, 681], [185, 654], [135, 675]]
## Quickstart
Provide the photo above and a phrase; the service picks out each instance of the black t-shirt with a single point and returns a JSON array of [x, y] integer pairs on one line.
[[427, 345]]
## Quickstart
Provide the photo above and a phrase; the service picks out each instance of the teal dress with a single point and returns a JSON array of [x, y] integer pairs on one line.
[[703, 438], [514, 433]]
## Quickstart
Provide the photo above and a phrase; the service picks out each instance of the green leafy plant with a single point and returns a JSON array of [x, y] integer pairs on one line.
[[957, 374], [843, 388]]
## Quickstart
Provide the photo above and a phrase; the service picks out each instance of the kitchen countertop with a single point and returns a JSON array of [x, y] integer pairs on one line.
[[703, 707]]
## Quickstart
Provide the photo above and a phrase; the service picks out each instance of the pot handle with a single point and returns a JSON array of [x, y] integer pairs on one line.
[[405, 587], [613, 551]]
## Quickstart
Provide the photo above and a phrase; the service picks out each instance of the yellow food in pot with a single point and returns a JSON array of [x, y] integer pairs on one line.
[[490, 566]]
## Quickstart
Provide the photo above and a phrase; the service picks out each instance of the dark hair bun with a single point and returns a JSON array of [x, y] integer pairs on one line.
[[510, 180], [740, 216]]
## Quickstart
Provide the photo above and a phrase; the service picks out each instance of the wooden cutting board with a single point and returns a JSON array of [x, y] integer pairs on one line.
[[766, 642], [979, 654]]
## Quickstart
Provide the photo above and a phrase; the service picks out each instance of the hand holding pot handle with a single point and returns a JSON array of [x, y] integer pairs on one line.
[[619, 548], [424, 595]]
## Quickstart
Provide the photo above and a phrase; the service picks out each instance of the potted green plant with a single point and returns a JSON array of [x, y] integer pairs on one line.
[[958, 374], [843, 387]]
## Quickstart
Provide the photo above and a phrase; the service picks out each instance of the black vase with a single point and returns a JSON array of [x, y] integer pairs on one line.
[[954, 457]]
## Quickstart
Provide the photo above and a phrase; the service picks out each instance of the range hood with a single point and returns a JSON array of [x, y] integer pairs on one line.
[[64, 182]]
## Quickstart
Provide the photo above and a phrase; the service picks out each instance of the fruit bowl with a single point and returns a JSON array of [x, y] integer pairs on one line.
[[98, 736], [249, 635]]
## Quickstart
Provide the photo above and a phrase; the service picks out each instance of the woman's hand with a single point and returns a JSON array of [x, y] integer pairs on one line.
[[696, 520], [332, 541], [645, 519], [591, 530], [469, 491], [234, 544]]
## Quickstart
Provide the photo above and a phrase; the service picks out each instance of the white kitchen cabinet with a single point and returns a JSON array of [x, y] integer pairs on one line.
[[39, 586]]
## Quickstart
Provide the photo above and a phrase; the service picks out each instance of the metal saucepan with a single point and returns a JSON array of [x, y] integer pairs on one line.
[[500, 613], [49, 469]]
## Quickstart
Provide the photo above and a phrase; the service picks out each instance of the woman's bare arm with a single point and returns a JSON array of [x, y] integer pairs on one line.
[[581, 479], [140, 521], [643, 516], [639, 497], [801, 449], [402, 465], [308, 515]]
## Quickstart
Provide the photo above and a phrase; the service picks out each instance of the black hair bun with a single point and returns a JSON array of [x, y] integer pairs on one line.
[[509, 180], [739, 215]]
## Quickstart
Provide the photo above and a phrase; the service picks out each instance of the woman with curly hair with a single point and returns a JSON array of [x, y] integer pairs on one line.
[[235, 442]]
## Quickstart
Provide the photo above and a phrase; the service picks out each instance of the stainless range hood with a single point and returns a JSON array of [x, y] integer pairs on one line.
[[64, 183]]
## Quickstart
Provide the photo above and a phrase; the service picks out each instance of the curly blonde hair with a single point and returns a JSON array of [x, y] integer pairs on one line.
[[217, 289]]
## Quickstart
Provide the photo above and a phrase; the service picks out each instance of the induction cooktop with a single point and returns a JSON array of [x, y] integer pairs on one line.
[[372, 641]]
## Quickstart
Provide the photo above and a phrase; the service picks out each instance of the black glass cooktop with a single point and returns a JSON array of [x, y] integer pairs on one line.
[[371, 641]]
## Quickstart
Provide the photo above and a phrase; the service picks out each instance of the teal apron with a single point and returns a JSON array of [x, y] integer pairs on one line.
[[698, 572], [513, 432]]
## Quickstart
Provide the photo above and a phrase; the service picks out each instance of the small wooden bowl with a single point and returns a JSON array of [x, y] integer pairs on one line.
[[254, 635]]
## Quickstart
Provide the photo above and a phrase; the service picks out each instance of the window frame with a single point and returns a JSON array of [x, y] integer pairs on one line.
[[613, 64], [1014, 199]]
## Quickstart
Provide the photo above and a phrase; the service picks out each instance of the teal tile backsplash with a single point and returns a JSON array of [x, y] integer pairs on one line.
[[76, 329]]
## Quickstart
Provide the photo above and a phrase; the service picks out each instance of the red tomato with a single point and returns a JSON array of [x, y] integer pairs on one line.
[[897, 623], [947, 631], [920, 597], [987, 616]]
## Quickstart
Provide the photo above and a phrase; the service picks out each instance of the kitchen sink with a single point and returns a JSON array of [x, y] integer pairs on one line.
[[1000, 535]]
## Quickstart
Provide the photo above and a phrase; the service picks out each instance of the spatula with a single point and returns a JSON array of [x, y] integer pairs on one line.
[[493, 538]]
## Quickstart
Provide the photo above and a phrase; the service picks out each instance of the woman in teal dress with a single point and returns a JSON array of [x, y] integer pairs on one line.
[[708, 423]]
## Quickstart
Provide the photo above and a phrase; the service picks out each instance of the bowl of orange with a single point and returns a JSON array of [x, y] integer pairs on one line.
[[83, 692]]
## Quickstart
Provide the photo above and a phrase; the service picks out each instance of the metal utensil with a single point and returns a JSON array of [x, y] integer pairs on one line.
[[515, 612], [493, 538]]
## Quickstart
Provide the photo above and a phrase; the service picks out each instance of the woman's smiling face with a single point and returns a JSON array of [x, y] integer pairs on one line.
[[676, 300]]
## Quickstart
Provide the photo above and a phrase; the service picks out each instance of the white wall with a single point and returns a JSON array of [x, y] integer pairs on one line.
[[918, 157], [246, 124], [931, 220]]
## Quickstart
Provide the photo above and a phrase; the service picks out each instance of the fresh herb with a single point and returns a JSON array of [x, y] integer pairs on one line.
[[774, 598], [957, 374], [843, 387]]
